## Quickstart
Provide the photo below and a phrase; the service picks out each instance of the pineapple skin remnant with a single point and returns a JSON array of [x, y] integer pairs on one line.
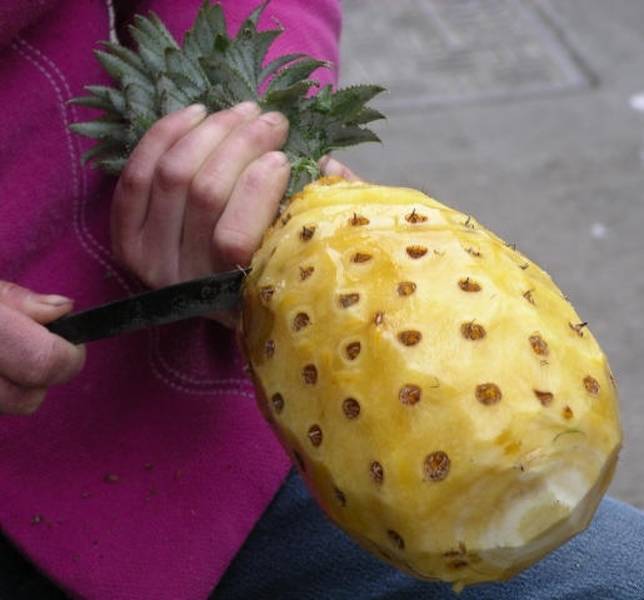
[[440, 396]]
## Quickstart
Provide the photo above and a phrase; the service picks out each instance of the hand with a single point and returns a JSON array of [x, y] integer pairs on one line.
[[31, 358], [198, 192]]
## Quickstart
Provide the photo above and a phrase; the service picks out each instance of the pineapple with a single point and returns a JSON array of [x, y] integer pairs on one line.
[[441, 398]]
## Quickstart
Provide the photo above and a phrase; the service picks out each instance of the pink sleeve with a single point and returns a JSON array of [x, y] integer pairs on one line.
[[310, 27]]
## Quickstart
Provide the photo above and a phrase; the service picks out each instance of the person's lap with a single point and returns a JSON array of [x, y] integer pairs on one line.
[[295, 553]]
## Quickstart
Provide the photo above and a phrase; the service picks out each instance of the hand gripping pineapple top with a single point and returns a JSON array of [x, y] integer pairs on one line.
[[442, 399], [439, 394]]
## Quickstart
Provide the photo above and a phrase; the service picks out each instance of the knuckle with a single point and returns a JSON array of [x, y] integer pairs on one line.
[[171, 173], [133, 178], [204, 193], [126, 252], [233, 247], [45, 364], [255, 178], [8, 290]]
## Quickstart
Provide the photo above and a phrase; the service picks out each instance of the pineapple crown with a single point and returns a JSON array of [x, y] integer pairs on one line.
[[219, 71]]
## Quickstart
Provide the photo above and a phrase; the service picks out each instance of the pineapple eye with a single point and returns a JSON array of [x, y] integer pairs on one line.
[[414, 217], [473, 331], [591, 385], [351, 408], [269, 348], [396, 539], [278, 403], [539, 345], [346, 300], [358, 220], [379, 318], [436, 466], [266, 293], [406, 288], [377, 472], [307, 232], [361, 257], [411, 337], [473, 252], [545, 398], [285, 219], [488, 393], [528, 296], [410, 394], [315, 435], [567, 413], [469, 285], [306, 272], [416, 251], [340, 496], [301, 321], [353, 350], [310, 374], [578, 328]]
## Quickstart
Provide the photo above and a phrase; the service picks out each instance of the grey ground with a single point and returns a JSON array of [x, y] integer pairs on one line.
[[517, 111]]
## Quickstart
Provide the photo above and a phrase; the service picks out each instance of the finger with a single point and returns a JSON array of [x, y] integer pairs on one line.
[[132, 193], [333, 168], [163, 226], [252, 208], [42, 308], [18, 400], [214, 183], [33, 357]]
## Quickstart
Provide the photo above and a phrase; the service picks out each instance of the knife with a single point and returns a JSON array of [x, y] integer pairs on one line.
[[193, 298]]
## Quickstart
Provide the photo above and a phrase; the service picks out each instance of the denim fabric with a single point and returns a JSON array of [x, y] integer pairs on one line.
[[294, 553]]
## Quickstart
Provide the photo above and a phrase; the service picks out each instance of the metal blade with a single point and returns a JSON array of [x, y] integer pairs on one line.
[[165, 305]]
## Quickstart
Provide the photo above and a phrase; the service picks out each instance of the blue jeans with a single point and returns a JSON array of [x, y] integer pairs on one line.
[[294, 553]]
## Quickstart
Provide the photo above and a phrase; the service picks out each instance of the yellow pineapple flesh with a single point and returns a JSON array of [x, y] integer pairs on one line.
[[442, 399]]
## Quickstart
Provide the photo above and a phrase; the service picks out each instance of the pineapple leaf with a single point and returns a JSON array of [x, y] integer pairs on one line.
[[161, 76], [210, 23], [141, 102], [119, 69], [111, 166], [272, 67], [92, 102], [350, 136], [126, 55], [284, 99], [231, 80], [100, 130], [366, 115], [346, 103], [101, 151], [294, 74]]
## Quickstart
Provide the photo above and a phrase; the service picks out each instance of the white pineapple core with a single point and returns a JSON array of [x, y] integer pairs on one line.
[[442, 399]]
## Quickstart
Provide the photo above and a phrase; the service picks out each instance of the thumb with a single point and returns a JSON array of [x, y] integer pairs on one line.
[[42, 308]]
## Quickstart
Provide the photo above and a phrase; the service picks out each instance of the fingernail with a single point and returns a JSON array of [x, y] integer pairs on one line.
[[246, 108], [196, 111], [55, 300], [273, 118]]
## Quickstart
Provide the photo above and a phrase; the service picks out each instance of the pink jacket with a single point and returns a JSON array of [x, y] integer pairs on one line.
[[143, 477]]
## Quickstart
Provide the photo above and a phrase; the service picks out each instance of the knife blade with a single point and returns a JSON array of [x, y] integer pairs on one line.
[[193, 298]]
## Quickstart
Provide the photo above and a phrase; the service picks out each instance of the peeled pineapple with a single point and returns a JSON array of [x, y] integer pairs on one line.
[[442, 399]]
